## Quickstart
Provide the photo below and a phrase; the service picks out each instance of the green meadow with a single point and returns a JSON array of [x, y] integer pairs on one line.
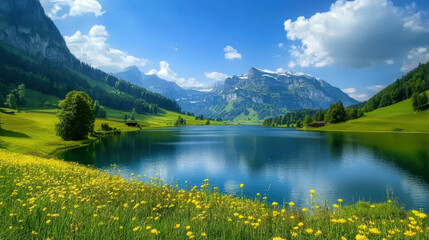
[[33, 131], [43, 198], [399, 117]]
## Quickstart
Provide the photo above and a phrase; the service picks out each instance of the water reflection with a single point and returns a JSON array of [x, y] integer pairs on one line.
[[281, 163]]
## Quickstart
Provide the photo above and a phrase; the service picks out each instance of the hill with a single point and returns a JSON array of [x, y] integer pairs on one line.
[[399, 117], [33, 52], [33, 132], [416, 80]]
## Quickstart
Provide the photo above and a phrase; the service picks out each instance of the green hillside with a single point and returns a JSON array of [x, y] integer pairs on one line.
[[416, 80], [57, 80], [399, 117], [33, 131]]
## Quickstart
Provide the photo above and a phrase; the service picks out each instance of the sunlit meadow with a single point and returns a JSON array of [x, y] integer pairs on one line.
[[51, 199]]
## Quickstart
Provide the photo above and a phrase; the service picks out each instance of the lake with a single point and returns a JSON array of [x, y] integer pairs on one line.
[[283, 164]]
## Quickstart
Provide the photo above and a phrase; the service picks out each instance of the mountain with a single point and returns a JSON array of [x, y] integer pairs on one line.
[[24, 25], [263, 93], [189, 100], [33, 52], [252, 96]]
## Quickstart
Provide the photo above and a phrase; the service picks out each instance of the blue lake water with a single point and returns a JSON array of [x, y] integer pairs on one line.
[[283, 164]]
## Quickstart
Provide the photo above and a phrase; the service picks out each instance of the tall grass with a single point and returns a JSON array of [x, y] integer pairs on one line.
[[50, 199]]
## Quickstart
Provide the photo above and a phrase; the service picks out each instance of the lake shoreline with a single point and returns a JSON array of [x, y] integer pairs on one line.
[[349, 131], [33, 132]]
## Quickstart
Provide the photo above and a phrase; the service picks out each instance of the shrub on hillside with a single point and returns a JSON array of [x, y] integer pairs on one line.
[[76, 116]]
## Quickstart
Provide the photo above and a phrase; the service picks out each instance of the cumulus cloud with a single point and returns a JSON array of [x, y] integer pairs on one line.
[[360, 97], [349, 90], [60, 9], [94, 50], [231, 53], [280, 45], [352, 93], [357, 34], [217, 76], [414, 58], [165, 72], [376, 88]]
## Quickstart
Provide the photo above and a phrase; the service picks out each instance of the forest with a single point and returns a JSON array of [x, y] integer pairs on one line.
[[58, 80]]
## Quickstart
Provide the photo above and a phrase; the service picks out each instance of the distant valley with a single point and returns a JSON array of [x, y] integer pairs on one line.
[[248, 97]]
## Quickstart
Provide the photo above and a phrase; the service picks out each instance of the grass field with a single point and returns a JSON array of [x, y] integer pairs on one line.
[[398, 117], [51, 199], [33, 131]]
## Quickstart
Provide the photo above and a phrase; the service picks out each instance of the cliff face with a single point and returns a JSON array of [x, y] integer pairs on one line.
[[24, 25]]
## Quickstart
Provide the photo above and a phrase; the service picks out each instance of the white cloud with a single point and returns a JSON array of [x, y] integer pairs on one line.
[[231, 53], [359, 97], [357, 33], [280, 45], [94, 50], [349, 90], [60, 9], [217, 76], [414, 58], [376, 88], [165, 72], [352, 93]]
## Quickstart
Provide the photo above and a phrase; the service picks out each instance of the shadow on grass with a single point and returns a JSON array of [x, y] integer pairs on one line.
[[3, 144], [7, 133]]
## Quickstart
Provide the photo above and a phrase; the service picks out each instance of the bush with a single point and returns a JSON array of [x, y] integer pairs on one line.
[[419, 101], [76, 116], [180, 121], [106, 127]]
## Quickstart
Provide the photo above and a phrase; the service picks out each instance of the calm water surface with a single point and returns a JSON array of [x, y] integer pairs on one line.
[[283, 164]]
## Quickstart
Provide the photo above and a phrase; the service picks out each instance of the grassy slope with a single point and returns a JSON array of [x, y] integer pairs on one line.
[[33, 132], [51, 199], [250, 119], [397, 117], [35, 99]]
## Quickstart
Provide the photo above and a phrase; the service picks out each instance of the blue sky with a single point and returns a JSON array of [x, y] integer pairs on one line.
[[359, 46]]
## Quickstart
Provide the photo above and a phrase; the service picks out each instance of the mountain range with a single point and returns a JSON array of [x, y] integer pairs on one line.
[[33, 52], [54, 70], [253, 96]]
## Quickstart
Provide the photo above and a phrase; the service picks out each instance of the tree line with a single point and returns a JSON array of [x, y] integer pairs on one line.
[[416, 81], [301, 118], [58, 80]]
